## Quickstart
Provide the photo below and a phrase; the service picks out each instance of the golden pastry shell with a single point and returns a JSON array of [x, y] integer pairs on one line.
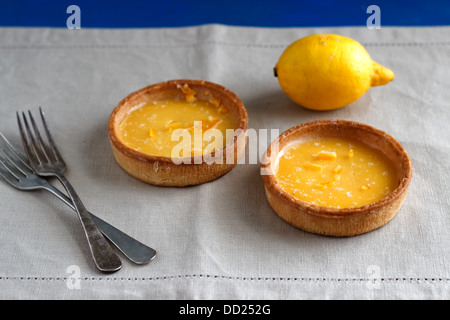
[[329, 221], [162, 171]]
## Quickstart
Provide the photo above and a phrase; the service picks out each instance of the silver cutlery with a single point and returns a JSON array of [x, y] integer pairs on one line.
[[18, 173], [46, 161]]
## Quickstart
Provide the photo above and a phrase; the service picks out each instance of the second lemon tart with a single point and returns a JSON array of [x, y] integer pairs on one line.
[[336, 177]]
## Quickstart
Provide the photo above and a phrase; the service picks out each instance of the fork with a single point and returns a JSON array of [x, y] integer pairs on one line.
[[18, 173], [46, 160]]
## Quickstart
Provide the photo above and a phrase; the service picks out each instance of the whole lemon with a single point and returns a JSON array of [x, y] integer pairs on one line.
[[328, 71]]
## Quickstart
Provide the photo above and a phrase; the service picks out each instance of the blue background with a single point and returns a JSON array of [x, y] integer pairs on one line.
[[262, 13]]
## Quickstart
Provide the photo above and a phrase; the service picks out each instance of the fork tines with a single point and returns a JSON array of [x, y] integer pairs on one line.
[[35, 147], [12, 160]]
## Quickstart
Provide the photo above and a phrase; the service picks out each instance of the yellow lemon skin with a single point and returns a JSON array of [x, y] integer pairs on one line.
[[328, 71]]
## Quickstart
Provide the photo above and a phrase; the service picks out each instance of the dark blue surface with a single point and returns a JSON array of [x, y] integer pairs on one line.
[[262, 13]]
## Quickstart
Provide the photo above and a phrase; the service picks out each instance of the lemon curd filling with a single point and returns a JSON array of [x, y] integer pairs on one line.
[[150, 128], [335, 172]]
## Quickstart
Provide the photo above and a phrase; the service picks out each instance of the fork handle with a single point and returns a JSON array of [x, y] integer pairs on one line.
[[134, 250], [104, 257]]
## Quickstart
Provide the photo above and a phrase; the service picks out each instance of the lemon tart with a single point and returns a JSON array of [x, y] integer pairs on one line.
[[179, 132], [336, 177]]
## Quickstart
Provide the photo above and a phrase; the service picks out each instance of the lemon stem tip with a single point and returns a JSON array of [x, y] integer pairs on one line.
[[381, 75]]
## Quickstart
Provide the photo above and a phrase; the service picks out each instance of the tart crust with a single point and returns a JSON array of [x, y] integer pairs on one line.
[[339, 222], [163, 171]]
